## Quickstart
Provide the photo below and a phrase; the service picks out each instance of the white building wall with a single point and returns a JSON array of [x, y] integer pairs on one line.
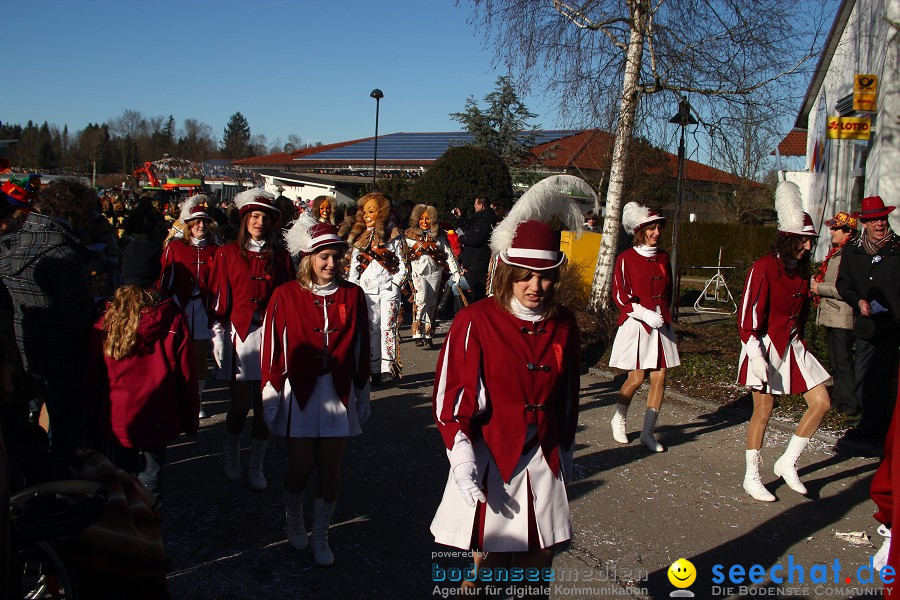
[[869, 44]]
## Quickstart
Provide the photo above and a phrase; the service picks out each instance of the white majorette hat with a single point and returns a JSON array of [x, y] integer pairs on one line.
[[194, 208], [255, 199], [789, 206], [523, 238], [307, 235], [635, 216]]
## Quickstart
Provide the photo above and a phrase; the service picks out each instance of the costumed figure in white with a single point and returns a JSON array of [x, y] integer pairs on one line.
[[245, 273], [645, 340], [506, 396], [430, 257], [186, 267], [315, 362], [378, 263], [774, 359]]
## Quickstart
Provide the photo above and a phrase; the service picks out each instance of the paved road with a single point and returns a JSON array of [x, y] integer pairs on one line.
[[634, 513]]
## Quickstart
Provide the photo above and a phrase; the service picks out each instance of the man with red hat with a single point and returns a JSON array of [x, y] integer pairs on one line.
[[869, 281]]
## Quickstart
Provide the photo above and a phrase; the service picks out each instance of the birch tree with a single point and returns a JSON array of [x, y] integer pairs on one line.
[[593, 54]]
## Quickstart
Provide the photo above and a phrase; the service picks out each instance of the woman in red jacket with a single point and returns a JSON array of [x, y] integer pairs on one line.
[[245, 273], [506, 405], [141, 371], [774, 359], [186, 266], [315, 375], [645, 341]]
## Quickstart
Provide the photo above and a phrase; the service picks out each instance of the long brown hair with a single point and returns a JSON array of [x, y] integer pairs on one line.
[[122, 318], [506, 275], [784, 246], [268, 249]]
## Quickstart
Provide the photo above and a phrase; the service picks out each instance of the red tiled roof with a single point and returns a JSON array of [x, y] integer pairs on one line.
[[287, 158], [592, 148], [793, 144]]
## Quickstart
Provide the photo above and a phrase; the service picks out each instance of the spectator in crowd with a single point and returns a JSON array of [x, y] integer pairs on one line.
[[869, 281], [476, 253], [42, 266], [141, 382], [774, 360], [836, 316], [590, 222], [287, 212], [245, 273], [315, 376]]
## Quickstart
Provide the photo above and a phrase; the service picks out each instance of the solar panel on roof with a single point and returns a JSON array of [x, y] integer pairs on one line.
[[413, 146]]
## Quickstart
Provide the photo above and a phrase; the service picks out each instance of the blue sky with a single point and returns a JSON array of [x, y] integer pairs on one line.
[[301, 67]]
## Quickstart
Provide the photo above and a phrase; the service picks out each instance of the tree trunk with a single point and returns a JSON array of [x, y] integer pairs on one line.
[[602, 284]]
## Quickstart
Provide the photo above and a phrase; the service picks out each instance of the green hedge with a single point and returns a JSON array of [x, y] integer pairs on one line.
[[741, 244]]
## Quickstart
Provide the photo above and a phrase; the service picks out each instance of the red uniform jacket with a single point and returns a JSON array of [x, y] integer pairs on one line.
[[146, 399], [497, 374], [185, 266], [295, 316], [240, 287], [773, 303], [645, 281], [886, 485]]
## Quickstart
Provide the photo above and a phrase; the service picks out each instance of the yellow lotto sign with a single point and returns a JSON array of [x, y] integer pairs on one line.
[[849, 128], [865, 90]]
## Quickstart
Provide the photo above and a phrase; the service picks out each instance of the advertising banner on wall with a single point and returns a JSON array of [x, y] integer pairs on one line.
[[849, 128], [865, 89]]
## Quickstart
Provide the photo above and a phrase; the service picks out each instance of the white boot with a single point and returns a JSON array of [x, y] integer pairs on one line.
[[879, 561], [296, 529], [752, 483], [784, 466], [647, 437], [322, 513], [232, 456], [255, 471], [618, 423]]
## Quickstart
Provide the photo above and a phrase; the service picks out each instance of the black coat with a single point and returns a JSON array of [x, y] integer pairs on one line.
[[864, 277], [476, 252]]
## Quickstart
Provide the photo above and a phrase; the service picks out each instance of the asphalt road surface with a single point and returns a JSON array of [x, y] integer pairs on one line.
[[634, 513]]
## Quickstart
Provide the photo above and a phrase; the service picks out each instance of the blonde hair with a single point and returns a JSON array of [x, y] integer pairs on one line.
[[506, 275], [305, 275], [122, 318]]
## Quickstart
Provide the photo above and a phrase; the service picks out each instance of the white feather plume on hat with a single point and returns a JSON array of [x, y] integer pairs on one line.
[[297, 238], [247, 196], [635, 215], [187, 205], [789, 206], [542, 202]]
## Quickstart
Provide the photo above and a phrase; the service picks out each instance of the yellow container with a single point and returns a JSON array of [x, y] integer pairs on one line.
[[582, 252]]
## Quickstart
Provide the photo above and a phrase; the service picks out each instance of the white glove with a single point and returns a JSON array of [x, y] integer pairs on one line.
[[455, 277], [465, 474], [650, 317], [760, 368], [363, 411], [218, 346]]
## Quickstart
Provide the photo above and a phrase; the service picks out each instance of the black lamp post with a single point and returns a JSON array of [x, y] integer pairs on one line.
[[683, 118], [378, 95]]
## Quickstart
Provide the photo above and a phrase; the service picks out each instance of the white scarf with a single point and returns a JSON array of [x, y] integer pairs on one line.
[[325, 290], [646, 251], [520, 311], [255, 245]]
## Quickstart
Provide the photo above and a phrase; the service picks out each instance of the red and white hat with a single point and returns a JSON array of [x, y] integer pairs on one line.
[[307, 235], [256, 199], [789, 206], [535, 246], [635, 216], [194, 208]]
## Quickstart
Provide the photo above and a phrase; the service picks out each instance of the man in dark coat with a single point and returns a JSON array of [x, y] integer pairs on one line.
[[476, 252], [869, 281]]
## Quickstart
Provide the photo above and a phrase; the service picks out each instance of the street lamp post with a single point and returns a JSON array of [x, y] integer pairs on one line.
[[683, 118], [378, 95]]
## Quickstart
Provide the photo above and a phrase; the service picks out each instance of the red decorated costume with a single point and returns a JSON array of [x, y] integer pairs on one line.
[[886, 485]]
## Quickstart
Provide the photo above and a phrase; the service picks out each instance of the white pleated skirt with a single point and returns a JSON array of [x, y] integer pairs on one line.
[[795, 372], [533, 489], [323, 416], [635, 348], [243, 358]]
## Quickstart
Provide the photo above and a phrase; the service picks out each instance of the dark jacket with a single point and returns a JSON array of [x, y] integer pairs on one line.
[[476, 253], [864, 277], [43, 269]]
